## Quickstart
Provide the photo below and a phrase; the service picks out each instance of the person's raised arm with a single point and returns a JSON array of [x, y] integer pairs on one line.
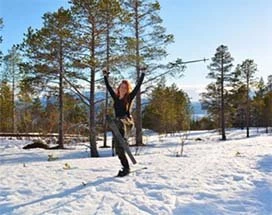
[[106, 74], [138, 85]]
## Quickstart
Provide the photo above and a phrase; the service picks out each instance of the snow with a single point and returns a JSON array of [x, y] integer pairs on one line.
[[212, 177]]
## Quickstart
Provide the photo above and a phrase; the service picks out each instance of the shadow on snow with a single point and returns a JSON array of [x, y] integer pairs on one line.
[[9, 209]]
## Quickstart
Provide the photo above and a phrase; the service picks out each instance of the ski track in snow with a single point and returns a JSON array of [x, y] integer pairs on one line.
[[212, 177]]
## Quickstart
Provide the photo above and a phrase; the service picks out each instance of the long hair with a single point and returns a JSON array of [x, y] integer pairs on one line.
[[129, 89]]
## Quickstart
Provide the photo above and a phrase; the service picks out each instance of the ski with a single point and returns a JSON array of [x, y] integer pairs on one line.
[[138, 169], [133, 171], [119, 137]]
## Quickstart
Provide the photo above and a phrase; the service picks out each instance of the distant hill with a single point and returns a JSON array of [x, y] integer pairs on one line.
[[198, 112], [98, 96]]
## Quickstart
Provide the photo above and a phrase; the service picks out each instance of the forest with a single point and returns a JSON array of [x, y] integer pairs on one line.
[[52, 82]]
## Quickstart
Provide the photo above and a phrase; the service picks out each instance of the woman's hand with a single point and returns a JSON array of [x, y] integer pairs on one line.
[[105, 72], [143, 69]]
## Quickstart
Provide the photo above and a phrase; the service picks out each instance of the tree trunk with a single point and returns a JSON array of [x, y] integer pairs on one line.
[[105, 121], [107, 95], [60, 127], [92, 130], [139, 138], [247, 107], [14, 123], [222, 102]]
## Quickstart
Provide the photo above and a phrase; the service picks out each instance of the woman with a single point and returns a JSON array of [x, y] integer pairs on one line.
[[123, 98]]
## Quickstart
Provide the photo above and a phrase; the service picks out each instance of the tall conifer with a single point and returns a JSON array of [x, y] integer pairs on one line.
[[146, 44], [220, 71]]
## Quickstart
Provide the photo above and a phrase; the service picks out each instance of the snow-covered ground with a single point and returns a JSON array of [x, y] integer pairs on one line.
[[212, 177]]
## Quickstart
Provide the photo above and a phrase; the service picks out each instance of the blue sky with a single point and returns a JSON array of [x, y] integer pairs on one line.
[[199, 28]]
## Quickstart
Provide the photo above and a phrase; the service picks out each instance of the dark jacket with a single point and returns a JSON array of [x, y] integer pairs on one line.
[[122, 107]]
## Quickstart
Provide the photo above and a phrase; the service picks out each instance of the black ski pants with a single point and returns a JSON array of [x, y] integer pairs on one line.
[[124, 125]]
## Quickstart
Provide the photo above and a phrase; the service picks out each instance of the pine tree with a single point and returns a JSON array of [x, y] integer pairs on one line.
[[74, 111], [49, 51], [210, 101], [24, 107], [248, 69], [146, 43], [220, 71], [168, 110], [37, 116], [258, 105], [269, 83], [12, 75], [88, 13], [237, 98], [114, 18], [268, 110], [50, 116]]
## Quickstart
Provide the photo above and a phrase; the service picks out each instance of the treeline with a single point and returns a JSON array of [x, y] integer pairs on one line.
[[40, 114], [235, 98]]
